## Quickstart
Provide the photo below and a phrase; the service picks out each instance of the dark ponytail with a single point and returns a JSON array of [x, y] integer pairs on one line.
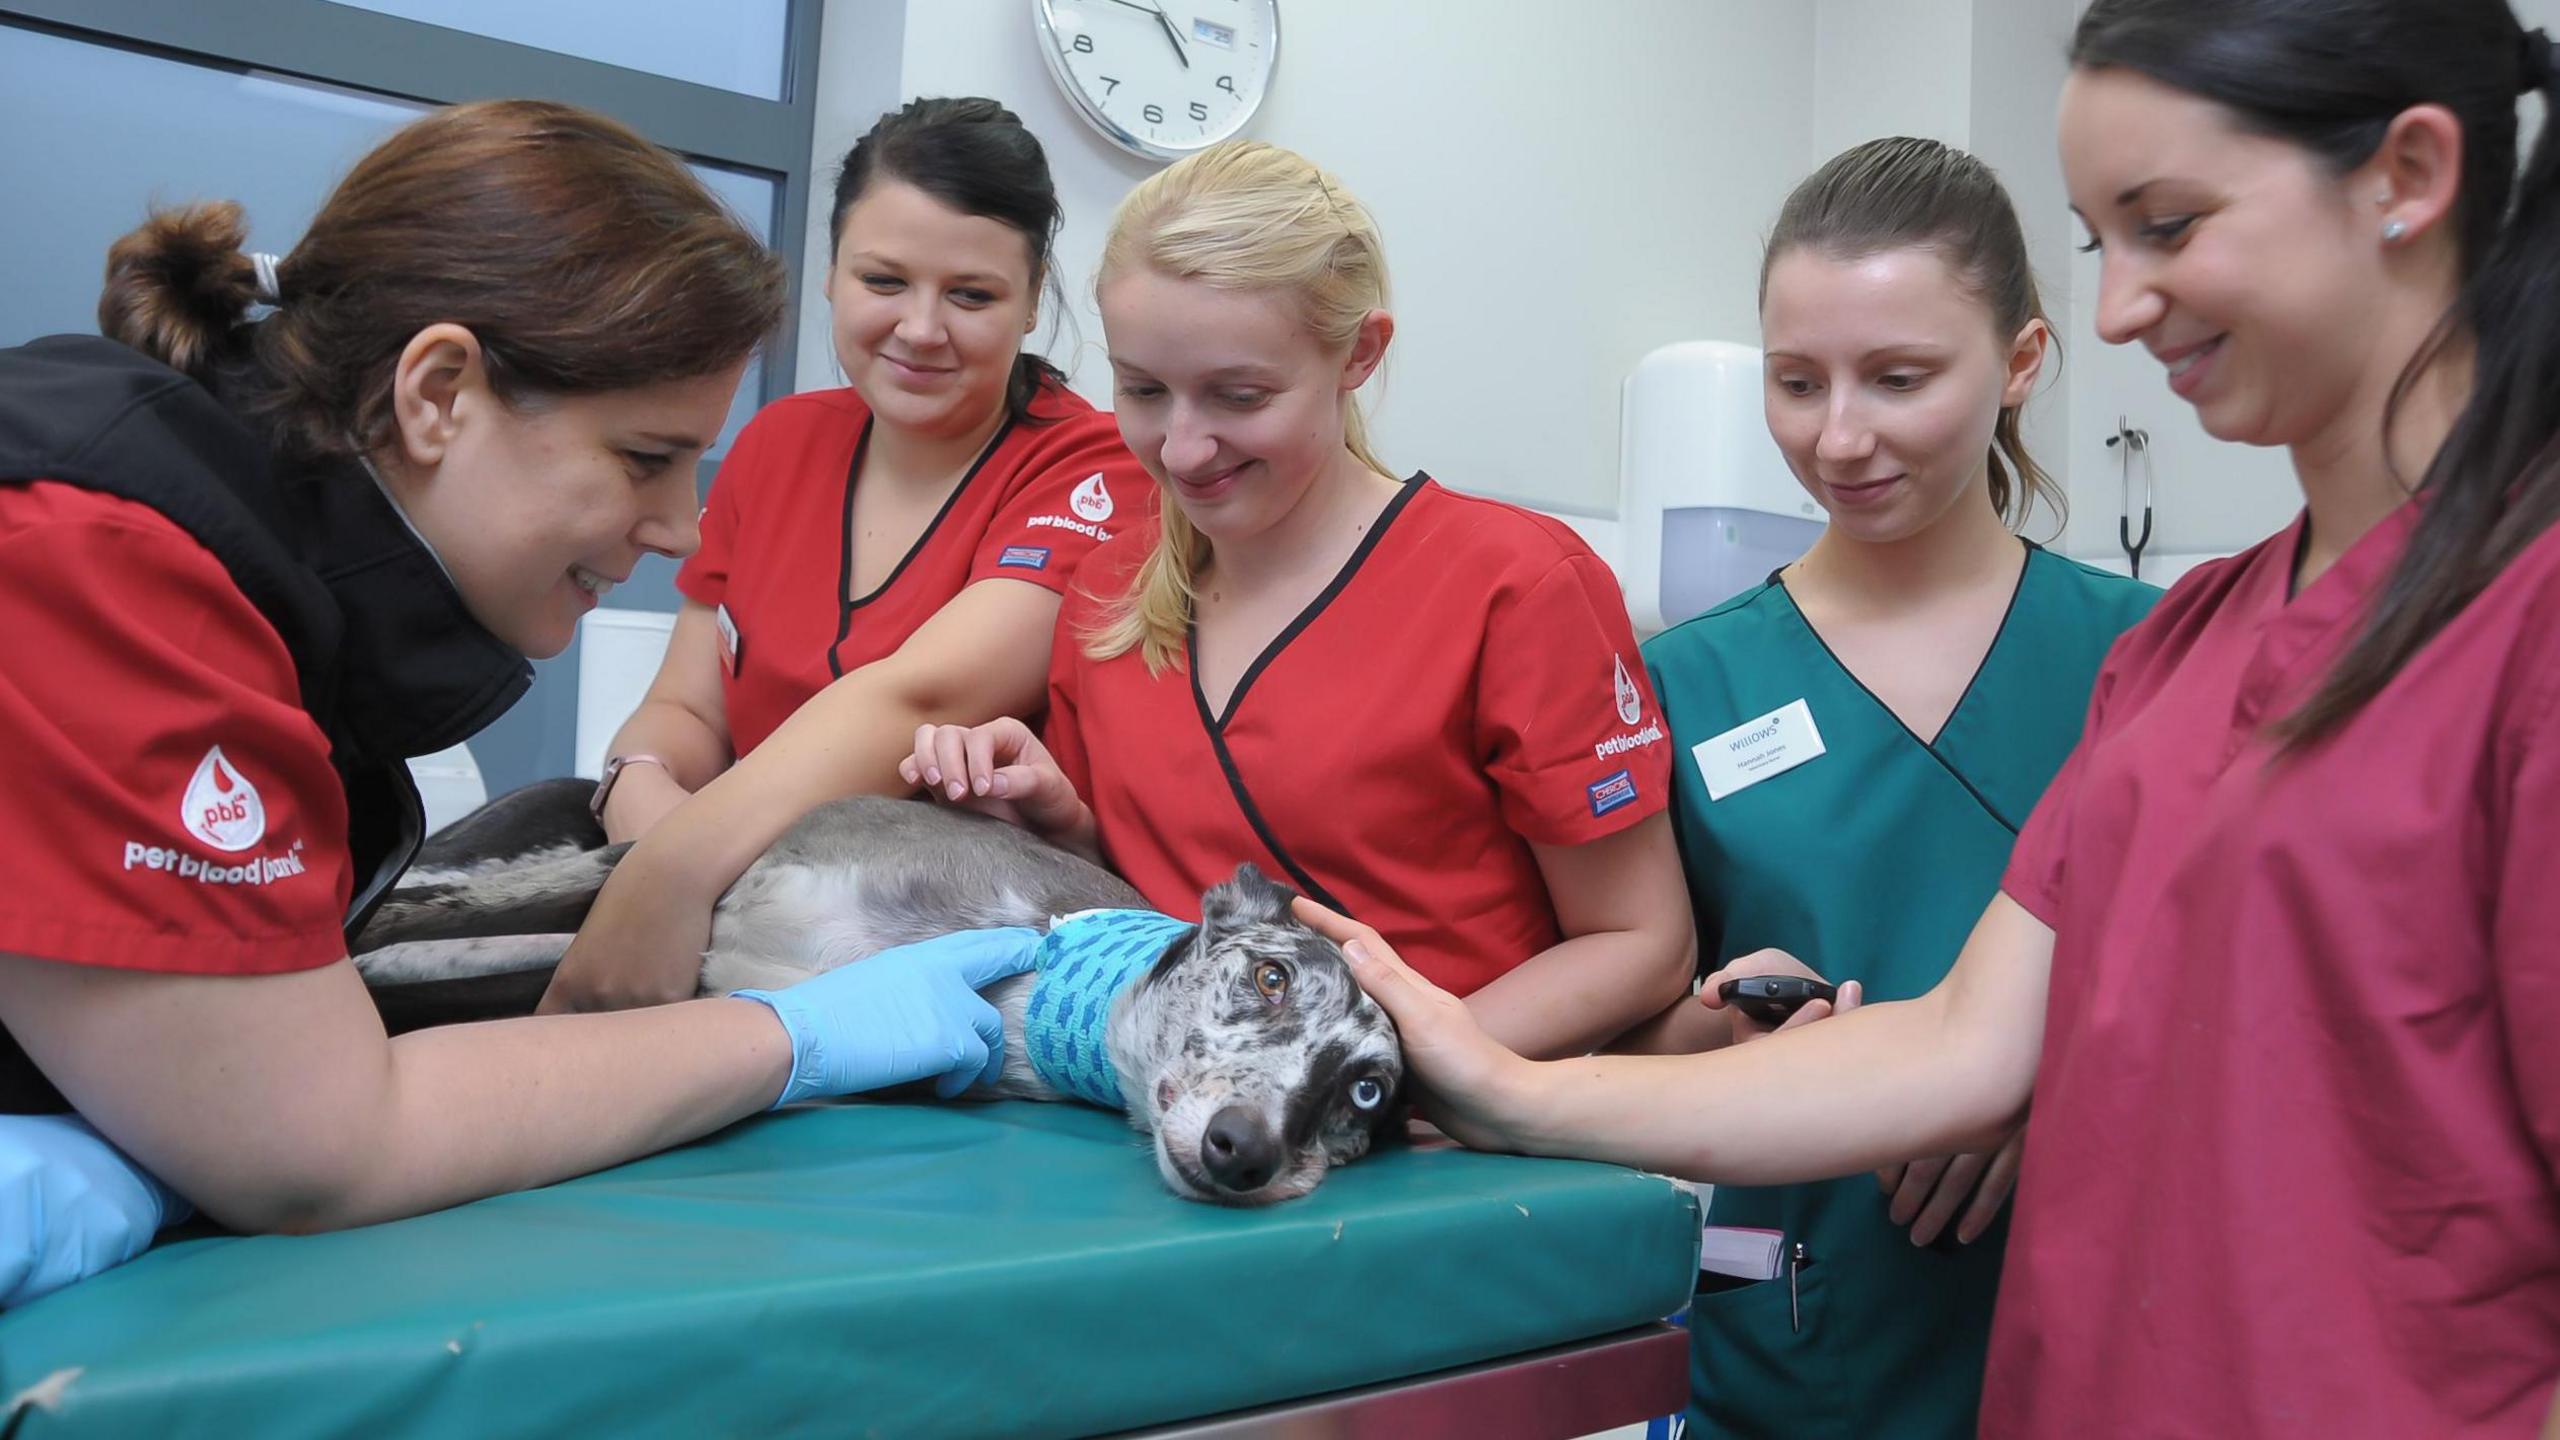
[[2331, 76], [178, 288], [583, 258], [974, 156]]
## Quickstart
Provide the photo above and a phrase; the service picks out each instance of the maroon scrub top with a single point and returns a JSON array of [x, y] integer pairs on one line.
[[2291, 1167]]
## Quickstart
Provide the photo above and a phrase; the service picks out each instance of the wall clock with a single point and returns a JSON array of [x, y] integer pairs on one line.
[[1161, 78]]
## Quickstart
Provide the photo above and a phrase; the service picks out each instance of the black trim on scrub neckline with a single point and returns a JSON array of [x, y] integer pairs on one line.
[[1305, 617], [1927, 747], [1253, 814], [846, 604], [1216, 726]]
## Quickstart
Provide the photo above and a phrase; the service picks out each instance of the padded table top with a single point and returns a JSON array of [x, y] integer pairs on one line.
[[1012, 1269]]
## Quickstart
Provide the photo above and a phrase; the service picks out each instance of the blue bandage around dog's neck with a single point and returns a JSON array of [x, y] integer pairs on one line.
[[1081, 966]]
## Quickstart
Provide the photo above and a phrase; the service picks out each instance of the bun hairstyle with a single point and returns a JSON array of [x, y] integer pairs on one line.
[[583, 258], [974, 156]]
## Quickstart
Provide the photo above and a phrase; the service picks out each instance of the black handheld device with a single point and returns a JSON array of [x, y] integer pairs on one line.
[[1770, 999]]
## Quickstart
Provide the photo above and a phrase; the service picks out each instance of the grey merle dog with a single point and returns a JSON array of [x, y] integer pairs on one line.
[[1246, 1050]]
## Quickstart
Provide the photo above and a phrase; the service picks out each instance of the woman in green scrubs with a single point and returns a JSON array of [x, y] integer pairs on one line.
[[1861, 737]]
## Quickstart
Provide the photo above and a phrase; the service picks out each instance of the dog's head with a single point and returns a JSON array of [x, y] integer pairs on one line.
[[1267, 1063]]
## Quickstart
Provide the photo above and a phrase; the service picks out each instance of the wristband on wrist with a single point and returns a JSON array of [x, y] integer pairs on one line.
[[613, 771]]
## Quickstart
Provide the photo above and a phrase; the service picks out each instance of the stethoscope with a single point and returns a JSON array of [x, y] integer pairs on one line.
[[2137, 445]]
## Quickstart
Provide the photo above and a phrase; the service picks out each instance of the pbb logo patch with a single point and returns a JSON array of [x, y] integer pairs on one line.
[[1024, 557], [222, 808], [1613, 792], [1630, 700], [1092, 499]]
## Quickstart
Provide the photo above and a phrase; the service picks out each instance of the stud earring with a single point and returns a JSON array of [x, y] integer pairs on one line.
[[2392, 231]]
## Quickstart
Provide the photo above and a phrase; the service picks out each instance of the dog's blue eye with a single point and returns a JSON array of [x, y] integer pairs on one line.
[[1367, 1093]]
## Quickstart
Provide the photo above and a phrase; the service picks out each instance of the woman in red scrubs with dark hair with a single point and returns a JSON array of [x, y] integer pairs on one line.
[[874, 557], [2278, 956], [247, 568]]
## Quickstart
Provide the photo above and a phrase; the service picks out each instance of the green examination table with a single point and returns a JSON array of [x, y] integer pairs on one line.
[[1009, 1269]]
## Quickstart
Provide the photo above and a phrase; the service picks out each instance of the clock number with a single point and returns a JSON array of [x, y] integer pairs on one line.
[[1227, 83], [1154, 114], [1199, 112], [1107, 80], [1082, 45]]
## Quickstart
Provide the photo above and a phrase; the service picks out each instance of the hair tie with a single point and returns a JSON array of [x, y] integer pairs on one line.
[[267, 293], [2537, 61]]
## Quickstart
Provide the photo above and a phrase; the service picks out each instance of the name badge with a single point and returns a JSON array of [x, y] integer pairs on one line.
[[728, 640], [1757, 749]]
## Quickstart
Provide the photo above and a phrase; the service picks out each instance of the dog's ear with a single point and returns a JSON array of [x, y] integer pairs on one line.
[[1251, 898]]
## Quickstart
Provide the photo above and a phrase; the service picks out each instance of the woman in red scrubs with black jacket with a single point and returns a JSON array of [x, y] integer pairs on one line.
[[2278, 955], [247, 568], [1414, 703]]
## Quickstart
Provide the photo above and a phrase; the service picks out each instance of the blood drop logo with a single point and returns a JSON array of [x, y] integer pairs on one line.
[[1630, 700], [1092, 499], [222, 808]]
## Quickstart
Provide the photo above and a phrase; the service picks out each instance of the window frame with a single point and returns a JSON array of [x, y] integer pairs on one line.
[[359, 50], [413, 60]]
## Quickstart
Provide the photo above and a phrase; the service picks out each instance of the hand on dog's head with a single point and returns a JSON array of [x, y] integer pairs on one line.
[[1285, 1067]]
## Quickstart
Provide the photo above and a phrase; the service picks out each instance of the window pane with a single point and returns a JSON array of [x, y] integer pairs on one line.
[[124, 131], [132, 130], [735, 45], [753, 197]]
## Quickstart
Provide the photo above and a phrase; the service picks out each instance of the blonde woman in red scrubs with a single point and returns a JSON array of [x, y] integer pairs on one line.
[[1489, 786], [2279, 953]]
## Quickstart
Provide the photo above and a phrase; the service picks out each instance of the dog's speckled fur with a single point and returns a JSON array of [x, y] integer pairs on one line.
[[1248, 1051]]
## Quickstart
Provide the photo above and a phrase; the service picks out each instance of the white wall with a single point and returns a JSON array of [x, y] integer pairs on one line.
[[1561, 191], [1564, 189], [1889, 67]]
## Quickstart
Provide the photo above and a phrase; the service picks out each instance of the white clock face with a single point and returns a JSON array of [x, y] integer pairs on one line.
[[1162, 77]]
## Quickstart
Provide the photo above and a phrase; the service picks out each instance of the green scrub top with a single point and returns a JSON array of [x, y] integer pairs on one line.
[[1871, 861]]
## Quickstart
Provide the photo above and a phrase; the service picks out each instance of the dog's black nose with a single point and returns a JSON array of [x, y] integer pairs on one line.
[[1238, 1150]]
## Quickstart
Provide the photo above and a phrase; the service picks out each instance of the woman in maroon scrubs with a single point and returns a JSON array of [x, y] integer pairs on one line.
[[2278, 956]]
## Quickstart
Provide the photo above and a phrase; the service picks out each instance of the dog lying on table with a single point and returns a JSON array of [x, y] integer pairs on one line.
[[1241, 1045]]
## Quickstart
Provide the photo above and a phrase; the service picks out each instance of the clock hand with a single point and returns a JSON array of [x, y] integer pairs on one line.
[[1166, 23], [1170, 34]]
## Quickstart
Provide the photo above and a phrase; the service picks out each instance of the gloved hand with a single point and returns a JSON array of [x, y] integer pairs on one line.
[[911, 1013], [71, 1205]]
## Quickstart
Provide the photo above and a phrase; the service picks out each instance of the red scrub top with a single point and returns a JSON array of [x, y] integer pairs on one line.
[[171, 804], [776, 561], [2292, 1164], [1466, 686]]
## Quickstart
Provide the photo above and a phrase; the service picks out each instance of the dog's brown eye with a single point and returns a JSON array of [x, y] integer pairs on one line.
[[1272, 979]]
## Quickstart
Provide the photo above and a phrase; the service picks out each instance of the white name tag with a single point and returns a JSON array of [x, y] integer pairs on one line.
[[728, 639], [1757, 749]]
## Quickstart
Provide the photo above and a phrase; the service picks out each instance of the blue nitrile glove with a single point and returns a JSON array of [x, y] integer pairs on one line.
[[911, 1013], [71, 1205]]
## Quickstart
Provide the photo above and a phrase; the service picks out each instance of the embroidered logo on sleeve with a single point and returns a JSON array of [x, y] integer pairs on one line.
[[1092, 499], [1024, 557], [1630, 711], [1613, 792], [222, 808]]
